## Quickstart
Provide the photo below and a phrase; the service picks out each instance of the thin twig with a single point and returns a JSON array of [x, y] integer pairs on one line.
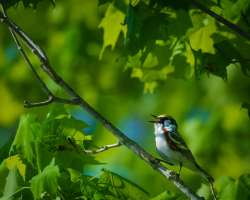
[[148, 158], [51, 98], [102, 149], [94, 151], [221, 19]]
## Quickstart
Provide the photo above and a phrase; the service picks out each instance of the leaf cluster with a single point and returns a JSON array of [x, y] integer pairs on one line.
[[162, 39], [46, 161]]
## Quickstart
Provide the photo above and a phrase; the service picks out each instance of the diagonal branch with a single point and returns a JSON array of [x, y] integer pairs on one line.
[[123, 139], [221, 19], [51, 97]]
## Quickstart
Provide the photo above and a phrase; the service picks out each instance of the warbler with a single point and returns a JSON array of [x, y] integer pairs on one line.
[[172, 147]]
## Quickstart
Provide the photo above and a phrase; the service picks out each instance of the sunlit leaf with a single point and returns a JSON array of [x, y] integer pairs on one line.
[[25, 138], [112, 25], [150, 61], [201, 38], [204, 191], [14, 162], [46, 181], [74, 175], [149, 87]]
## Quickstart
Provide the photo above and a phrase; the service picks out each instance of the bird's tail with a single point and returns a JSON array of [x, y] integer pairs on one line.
[[204, 174], [209, 178]]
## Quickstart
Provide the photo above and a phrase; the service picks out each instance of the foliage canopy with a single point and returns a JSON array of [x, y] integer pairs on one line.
[[154, 41]]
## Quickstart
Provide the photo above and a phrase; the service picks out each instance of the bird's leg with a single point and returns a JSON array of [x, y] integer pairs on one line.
[[179, 173]]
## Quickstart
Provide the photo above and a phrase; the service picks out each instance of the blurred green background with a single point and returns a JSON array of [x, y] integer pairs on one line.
[[208, 110]]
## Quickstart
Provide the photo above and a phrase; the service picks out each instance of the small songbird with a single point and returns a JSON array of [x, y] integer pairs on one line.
[[172, 147]]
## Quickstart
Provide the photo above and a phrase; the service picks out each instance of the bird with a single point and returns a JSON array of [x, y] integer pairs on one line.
[[172, 148]]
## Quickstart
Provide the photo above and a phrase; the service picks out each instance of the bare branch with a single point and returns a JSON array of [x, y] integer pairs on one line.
[[90, 151], [51, 99], [148, 158], [221, 19], [102, 149], [28, 104]]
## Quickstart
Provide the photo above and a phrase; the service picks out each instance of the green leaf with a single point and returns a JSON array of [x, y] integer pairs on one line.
[[15, 162], [233, 9], [243, 187], [150, 61], [46, 181], [134, 61], [204, 191], [11, 184], [167, 195], [149, 87], [68, 159], [116, 186], [27, 132], [3, 175], [200, 38], [230, 189], [144, 27], [112, 25], [74, 175]]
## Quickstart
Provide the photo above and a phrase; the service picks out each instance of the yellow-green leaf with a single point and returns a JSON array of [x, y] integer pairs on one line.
[[112, 25], [201, 38], [46, 181], [15, 162]]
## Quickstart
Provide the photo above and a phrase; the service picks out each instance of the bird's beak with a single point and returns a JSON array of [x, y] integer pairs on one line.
[[155, 120]]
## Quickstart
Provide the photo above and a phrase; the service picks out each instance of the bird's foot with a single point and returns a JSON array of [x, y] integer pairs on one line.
[[172, 175]]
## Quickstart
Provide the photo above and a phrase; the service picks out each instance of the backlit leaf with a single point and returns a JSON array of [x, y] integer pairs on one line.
[[46, 181], [112, 25], [120, 188], [14, 162], [24, 141]]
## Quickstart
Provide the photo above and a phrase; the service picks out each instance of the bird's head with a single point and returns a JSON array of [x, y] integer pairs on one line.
[[164, 123]]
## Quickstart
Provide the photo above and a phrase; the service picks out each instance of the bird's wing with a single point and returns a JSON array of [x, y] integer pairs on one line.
[[177, 139], [181, 145]]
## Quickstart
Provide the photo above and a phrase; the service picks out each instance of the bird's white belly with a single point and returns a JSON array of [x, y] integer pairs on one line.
[[165, 151]]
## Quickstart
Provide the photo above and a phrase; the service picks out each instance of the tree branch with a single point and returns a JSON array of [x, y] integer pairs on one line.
[[123, 139], [51, 97], [102, 149], [95, 151], [220, 19]]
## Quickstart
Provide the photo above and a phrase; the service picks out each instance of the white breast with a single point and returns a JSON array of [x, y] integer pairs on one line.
[[163, 149]]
